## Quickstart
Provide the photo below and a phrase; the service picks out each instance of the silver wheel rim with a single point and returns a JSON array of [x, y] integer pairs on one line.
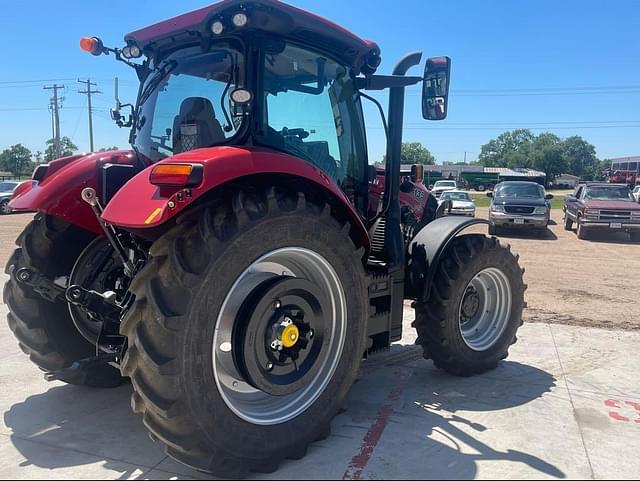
[[4, 208], [244, 400], [482, 330]]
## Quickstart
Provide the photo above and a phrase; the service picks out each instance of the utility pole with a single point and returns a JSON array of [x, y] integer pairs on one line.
[[56, 115], [88, 93]]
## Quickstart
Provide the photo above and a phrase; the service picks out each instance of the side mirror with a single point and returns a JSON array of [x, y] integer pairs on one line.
[[417, 173], [490, 195], [435, 88], [548, 196]]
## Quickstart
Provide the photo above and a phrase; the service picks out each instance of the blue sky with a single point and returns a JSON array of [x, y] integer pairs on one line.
[[568, 67]]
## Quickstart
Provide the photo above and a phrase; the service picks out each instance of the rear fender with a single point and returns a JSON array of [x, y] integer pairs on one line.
[[145, 209], [58, 192], [426, 252]]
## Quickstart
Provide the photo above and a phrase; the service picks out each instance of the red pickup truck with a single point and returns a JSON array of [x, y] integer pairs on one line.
[[601, 206]]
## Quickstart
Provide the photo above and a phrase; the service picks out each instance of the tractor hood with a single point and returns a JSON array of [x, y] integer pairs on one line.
[[268, 16]]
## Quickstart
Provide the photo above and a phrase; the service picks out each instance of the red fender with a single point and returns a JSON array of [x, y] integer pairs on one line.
[[139, 205], [58, 194]]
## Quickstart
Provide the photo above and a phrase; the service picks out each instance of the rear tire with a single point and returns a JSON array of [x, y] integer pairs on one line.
[[176, 322], [465, 347], [45, 330]]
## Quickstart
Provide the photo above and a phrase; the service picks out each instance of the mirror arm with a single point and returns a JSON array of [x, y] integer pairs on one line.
[[382, 82]]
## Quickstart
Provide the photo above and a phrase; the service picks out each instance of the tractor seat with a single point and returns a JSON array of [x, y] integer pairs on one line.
[[196, 126]]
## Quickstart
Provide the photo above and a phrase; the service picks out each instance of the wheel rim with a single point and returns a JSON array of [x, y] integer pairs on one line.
[[485, 309], [4, 208], [242, 397]]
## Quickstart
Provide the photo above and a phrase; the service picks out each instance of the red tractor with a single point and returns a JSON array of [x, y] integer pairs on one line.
[[232, 264]]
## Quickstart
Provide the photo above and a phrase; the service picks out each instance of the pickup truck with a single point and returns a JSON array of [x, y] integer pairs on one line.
[[519, 204], [602, 206]]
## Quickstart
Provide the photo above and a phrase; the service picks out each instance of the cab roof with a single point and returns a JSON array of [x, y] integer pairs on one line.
[[269, 16]]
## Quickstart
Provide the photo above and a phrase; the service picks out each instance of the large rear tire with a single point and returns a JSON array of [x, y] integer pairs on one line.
[[44, 329], [475, 307], [193, 330]]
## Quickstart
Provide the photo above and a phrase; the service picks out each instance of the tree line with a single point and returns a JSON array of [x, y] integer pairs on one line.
[[545, 152], [20, 161], [521, 148]]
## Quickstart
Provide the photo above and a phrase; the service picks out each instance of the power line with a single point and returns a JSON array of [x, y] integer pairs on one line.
[[88, 93]]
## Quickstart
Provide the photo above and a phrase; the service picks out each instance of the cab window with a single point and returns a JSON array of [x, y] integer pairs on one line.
[[312, 111]]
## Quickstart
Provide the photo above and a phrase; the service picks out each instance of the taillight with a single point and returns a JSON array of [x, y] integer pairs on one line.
[[176, 175]]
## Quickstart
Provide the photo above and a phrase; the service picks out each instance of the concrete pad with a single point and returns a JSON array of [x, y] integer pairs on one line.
[[600, 361], [541, 414], [22, 459]]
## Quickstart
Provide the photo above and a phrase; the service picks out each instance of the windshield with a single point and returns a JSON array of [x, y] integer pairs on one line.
[[526, 191], [445, 183], [456, 196], [8, 186], [608, 193], [185, 102]]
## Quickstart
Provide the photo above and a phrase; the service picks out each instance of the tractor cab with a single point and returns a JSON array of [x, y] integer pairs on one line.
[[252, 75]]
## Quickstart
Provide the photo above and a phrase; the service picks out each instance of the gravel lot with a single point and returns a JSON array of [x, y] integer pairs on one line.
[[583, 283]]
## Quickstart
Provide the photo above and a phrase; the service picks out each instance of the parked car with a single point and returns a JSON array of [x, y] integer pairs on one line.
[[444, 186], [6, 191], [519, 204], [636, 193], [602, 206], [461, 203]]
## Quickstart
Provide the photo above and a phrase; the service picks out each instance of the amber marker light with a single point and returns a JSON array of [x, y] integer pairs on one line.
[[92, 45], [176, 175]]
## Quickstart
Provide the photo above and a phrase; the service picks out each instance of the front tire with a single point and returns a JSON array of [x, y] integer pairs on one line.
[[191, 352], [475, 307], [568, 223], [4, 207], [582, 231], [45, 330]]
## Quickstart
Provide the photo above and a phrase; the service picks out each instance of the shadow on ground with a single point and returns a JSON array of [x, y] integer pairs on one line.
[[434, 421], [533, 234]]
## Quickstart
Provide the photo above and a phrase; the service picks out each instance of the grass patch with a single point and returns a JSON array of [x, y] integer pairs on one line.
[[482, 200]]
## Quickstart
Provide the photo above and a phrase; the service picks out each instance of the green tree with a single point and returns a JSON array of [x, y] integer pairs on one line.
[[547, 155], [16, 159], [67, 147], [581, 157], [510, 149], [416, 153]]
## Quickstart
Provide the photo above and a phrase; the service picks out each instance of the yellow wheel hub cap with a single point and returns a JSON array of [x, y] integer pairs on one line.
[[290, 336]]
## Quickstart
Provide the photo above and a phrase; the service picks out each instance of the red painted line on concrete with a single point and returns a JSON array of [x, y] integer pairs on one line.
[[620, 405], [372, 438]]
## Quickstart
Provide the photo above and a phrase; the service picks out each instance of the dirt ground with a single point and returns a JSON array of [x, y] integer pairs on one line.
[[583, 283]]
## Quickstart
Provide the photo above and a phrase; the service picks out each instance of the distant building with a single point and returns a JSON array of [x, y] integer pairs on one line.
[[566, 181], [626, 164]]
